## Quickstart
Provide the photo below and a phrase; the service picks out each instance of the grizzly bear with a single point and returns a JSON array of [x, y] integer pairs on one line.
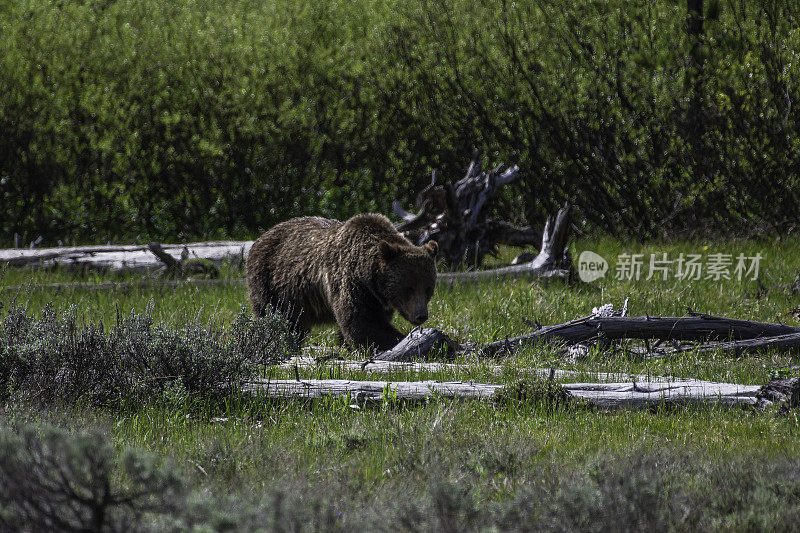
[[354, 273]]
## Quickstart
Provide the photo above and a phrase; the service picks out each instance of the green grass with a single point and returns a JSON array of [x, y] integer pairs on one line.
[[483, 458], [484, 312]]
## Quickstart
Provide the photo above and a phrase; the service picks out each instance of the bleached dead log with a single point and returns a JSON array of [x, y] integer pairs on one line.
[[618, 395], [602, 395], [153, 284], [122, 258], [375, 366], [513, 271], [370, 390], [687, 328]]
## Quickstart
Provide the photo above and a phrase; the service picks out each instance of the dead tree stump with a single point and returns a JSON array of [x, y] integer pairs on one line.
[[457, 216]]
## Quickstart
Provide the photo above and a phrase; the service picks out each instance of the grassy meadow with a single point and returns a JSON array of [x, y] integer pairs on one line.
[[144, 120], [246, 463]]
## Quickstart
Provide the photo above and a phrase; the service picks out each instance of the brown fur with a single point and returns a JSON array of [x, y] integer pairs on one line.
[[355, 273]]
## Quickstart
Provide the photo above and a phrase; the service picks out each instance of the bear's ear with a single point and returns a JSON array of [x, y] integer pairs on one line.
[[388, 250], [432, 247]]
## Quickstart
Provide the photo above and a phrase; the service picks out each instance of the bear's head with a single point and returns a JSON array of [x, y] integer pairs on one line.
[[407, 278]]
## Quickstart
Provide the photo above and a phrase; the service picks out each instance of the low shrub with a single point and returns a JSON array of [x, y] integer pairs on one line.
[[57, 357], [58, 480], [629, 490], [51, 480]]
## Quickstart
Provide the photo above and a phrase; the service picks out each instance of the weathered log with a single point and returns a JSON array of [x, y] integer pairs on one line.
[[785, 391], [375, 366], [513, 271], [369, 390], [687, 328], [787, 342], [122, 285], [743, 334], [603, 395], [418, 344], [746, 335], [122, 258], [620, 395], [186, 266], [171, 264]]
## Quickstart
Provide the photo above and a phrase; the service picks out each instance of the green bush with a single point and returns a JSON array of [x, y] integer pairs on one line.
[[56, 358], [125, 119], [642, 490], [51, 480], [57, 480], [608, 104]]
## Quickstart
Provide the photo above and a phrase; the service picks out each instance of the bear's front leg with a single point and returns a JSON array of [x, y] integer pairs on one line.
[[368, 329]]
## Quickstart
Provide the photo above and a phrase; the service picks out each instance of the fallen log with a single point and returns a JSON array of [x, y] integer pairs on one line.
[[122, 285], [172, 264], [186, 266], [687, 328], [375, 366], [369, 390], [602, 395], [418, 344], [137, 258], [785, 391], [787, 342], [619, 395]]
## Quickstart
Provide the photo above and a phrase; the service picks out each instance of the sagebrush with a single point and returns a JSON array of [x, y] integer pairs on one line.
[[64, 357]]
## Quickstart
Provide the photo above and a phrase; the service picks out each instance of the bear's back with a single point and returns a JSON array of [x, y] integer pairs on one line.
[[354, 245], [370, 229]]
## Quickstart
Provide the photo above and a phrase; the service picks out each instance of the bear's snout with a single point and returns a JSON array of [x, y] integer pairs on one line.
[[420, 317]]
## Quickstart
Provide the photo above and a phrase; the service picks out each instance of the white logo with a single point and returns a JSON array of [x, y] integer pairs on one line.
[[591, 266]]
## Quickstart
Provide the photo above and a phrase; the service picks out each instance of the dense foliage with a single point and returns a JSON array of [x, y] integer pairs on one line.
[[124, 119]]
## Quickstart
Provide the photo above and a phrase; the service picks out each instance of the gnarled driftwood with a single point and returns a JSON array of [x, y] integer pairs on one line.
[[553, 260], [457, 216]]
